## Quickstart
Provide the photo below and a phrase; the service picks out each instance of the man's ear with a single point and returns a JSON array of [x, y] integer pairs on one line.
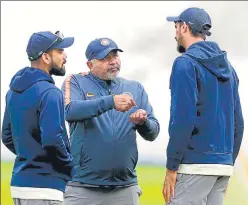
[[187, 28], [46, 58], [90, 65]]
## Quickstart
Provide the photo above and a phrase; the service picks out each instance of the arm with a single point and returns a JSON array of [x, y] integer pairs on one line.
[[239, 126], [149, 130], [7, 138], [54, 137], [77, 108], [183, 110]]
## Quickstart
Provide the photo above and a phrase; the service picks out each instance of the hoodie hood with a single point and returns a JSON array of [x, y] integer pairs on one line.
[[28, 76], [212, 58]]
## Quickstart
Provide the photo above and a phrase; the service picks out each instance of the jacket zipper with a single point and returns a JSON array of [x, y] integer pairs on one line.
[[112, 119]]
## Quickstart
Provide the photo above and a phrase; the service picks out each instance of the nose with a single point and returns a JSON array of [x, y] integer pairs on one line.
[[112, 60], [65, 54]]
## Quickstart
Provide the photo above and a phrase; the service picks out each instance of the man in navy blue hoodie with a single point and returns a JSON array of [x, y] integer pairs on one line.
[[206, 123], [34, 124]]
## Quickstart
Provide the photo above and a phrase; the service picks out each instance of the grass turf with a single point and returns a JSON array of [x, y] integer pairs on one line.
[[150, 180]]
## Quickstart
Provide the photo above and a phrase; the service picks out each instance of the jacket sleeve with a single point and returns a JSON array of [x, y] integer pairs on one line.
[[7, 137], [239, 125], [149, 130], [184, 95], [77, 108], [54, 137]]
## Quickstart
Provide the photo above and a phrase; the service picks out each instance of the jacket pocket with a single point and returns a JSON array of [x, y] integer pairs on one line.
[[126, 157], [76, 144], [97, 156], [82, 156]]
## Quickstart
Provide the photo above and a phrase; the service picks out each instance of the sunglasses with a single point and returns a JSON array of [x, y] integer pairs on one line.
[[59, 38]]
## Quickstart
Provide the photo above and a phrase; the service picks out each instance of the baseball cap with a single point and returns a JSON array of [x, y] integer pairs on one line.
[[44, 41], [100, 48], [197, 18]]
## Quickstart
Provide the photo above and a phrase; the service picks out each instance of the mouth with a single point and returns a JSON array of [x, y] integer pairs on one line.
[[113, 70], [63, 65]]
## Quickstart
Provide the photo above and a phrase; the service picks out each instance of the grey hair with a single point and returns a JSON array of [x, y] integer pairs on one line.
[[93, 61]]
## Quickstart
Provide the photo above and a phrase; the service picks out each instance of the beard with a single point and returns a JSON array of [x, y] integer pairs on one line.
[[113, 75], [57, 70], [180, 48]]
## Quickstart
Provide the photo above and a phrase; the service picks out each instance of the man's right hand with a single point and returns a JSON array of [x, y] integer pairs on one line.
[[123, 102]]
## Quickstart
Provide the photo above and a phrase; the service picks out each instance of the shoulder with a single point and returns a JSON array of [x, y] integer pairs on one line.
[[43, 87], [183, 64], [183, 60], [130, 82], [72, 77], [54, 92]]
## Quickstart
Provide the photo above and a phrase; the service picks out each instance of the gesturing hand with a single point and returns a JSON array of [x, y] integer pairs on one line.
[[138, 117], [123, 102]]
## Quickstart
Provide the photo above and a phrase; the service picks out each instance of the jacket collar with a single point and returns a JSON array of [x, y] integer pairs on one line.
[[103, 82]]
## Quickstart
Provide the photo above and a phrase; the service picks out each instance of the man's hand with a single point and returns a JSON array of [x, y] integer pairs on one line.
[[169, 185], [226, 191], [138, 117], [84, 73], [123, 102]]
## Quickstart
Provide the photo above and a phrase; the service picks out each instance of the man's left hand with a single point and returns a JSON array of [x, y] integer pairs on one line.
[[84, 73], [169, 185], [138, 117]]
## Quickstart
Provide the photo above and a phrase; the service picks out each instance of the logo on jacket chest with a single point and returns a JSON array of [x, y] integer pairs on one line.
[[89, 94]]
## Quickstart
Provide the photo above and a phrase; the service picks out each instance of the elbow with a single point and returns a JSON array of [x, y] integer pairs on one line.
[[68, 117], [68, 114], [151, 136], [153, 133]]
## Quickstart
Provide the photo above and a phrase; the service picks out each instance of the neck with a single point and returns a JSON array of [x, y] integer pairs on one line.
[[39, 66], [192, 41]]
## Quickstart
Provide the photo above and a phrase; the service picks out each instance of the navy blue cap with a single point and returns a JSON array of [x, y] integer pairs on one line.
[[197, 18], [100, 48], [43, 41]]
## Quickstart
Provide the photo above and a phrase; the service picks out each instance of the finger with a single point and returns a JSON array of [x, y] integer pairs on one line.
[[133, 102], [168, 193], [136, 114], [173, 191], [84, 73], [143, 119], [143, 112], [139, 115], [125, 108], [129, 105], [133, 117], [164, 192]]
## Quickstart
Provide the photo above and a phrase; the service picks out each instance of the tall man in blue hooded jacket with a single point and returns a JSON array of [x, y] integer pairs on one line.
[[104, 112], [34, 124], [206, 123]]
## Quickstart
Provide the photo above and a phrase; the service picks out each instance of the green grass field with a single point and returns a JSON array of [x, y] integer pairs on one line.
[[150, 181]]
